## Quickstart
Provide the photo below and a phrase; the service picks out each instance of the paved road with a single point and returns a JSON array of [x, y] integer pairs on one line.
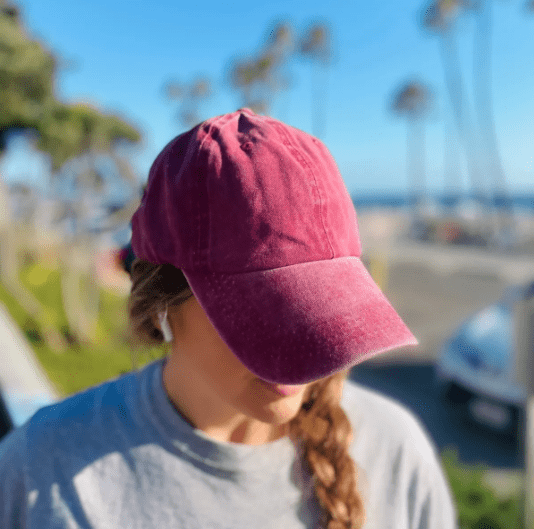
[[433, 301]]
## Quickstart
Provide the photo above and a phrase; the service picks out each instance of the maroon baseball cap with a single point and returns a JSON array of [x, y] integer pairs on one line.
[[256, 215]]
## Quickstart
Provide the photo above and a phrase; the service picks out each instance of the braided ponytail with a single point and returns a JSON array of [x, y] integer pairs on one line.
[[325, 434]]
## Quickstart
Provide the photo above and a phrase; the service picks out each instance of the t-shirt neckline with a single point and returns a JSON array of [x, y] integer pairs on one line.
[[196, 444]]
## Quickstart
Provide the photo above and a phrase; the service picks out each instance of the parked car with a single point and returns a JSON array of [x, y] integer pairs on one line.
[[6, 423], [16, 408], [476, 369]]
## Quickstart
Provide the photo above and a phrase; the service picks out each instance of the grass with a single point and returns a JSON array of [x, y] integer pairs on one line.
[[83, 365], [478, 505]]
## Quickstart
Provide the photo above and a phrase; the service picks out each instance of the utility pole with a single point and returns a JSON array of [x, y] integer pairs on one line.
[[525, 376]]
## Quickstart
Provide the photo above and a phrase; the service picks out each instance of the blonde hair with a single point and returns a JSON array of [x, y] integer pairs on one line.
[[321, 427]]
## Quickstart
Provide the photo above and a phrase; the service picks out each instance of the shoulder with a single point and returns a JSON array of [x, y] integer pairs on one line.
[[84, 415], [383, 418], [11, 450], [12, 479], [401, 473], [369, 401], [390, 443]]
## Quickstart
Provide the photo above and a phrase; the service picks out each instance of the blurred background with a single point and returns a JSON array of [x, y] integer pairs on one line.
[[426, 106]]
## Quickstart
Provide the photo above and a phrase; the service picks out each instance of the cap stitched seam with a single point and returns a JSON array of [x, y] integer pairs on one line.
[[207, 138], [142, 212], [303, 161]]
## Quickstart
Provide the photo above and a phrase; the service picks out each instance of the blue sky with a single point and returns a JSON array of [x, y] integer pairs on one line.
[[123, 51]]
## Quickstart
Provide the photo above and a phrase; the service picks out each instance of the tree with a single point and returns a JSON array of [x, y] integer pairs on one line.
[[26, 74], [64, 132], [28, 102], [413, 100], [316, 46], [190, 97], [259, 77], [484, 108], [440, 18]]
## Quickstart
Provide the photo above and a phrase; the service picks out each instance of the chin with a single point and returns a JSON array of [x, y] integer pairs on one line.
[[280, 412]]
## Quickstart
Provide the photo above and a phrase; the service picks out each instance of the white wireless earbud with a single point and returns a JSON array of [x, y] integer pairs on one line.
[[165, 327]]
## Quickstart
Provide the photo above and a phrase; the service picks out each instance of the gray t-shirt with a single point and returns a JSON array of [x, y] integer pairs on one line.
[[119, 456]]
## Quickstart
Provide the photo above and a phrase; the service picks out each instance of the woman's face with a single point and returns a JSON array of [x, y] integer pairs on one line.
[[211, 386]]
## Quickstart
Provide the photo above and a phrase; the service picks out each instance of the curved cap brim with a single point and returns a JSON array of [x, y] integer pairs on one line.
[[303, 322]]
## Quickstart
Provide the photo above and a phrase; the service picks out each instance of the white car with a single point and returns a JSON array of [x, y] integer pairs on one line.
[[16, 408], [476, 368]]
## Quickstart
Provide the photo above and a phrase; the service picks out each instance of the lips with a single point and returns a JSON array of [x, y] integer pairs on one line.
[[280, 389]]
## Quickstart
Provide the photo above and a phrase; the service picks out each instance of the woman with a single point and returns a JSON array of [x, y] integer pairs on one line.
[[248, 263]]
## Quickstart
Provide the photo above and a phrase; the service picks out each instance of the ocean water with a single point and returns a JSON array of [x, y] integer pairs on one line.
[[364, 201]]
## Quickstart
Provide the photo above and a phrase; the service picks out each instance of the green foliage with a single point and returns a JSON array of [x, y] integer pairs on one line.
[[26, 75], [45, 285], [28, 102], [67, 131], [477, 504], [82, 365]]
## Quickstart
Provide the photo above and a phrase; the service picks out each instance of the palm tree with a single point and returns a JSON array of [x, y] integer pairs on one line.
[[316, 46], [259, 77], [484, 108], [413, 100], [440, 17], [451, 166], [254, 79], [190, 97]]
